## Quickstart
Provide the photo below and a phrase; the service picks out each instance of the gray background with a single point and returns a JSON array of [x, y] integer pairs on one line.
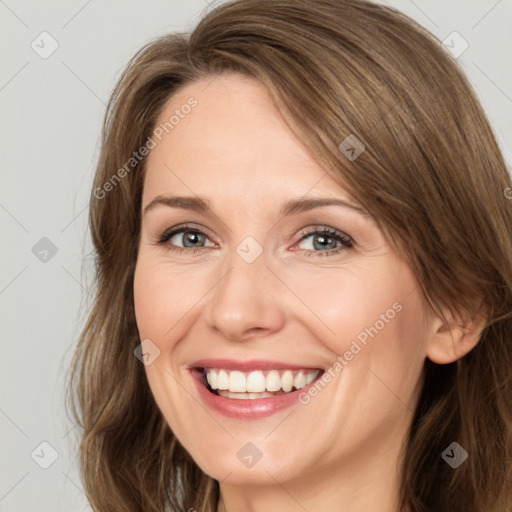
[[50, 124]]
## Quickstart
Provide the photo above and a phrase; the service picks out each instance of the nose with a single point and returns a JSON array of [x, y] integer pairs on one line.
[[246, 301]]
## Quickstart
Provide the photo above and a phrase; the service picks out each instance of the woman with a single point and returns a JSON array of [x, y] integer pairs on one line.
[[304, 270]]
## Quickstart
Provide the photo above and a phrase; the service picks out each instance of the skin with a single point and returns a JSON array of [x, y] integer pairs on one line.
[[294, 303]]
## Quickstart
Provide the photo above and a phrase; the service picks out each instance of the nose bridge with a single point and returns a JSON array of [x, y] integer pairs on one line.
[[243, 302]]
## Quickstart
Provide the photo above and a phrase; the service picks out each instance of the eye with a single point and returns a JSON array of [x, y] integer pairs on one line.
[[320, 241], [325, 241], [191, 239]]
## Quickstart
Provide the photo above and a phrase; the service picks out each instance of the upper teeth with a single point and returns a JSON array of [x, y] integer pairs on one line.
[[259, 381]]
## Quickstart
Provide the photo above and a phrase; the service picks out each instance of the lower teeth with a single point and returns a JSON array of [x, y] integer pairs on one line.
[[247, 396]]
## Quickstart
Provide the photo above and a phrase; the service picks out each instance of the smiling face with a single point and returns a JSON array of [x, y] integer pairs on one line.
[[257, 270]]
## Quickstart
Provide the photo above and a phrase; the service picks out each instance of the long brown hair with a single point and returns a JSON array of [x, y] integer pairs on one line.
[[432, 176]]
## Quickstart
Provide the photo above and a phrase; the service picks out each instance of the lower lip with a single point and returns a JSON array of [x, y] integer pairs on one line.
[[250, 409]]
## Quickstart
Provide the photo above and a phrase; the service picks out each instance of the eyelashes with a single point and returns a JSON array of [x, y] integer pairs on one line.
[[320, 236], [185, 229], [326, 233]]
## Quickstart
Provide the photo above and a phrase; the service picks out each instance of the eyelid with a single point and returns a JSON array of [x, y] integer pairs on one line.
[[310, 230], [187, 226], [346, 241]]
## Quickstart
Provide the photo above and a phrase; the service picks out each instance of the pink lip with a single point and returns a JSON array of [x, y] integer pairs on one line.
[[245, 409]]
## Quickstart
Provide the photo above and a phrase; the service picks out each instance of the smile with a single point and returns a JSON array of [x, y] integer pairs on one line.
[[257, 384], [253, 389]]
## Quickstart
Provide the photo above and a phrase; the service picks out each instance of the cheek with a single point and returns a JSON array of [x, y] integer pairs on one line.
[[164, 297], [372, 319], [358, 303], [164, 302]]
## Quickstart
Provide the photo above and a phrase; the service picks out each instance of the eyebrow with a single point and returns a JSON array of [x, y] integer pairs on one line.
[[290, 207]]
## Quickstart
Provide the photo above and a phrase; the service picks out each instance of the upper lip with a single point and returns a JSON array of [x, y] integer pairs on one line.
[[250, 365]]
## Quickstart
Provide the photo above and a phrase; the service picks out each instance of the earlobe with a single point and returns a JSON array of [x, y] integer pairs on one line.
[[453, 338]]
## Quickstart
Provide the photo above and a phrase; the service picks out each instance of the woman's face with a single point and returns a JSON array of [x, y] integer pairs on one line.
[[250, 282]]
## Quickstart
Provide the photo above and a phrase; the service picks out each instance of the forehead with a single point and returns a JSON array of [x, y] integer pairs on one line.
[[232, 140]]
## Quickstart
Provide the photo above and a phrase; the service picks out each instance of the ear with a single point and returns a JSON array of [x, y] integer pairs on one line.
[[453, 337]]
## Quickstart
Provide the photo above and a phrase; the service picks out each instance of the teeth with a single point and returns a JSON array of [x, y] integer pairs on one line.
[[300, 380], [212, 378], [287, 381], [237, 382], [244, 396], [258, 383], [273, 381], [310, 378], [222, 380]]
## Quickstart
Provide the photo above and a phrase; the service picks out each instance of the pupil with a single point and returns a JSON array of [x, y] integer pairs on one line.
[[323, 243], [190, 238]]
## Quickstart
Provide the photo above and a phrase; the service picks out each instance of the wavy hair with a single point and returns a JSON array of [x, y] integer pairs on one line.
[[432, 176]]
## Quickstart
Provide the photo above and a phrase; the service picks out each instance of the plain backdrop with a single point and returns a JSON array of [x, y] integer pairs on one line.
[[52, 108]]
